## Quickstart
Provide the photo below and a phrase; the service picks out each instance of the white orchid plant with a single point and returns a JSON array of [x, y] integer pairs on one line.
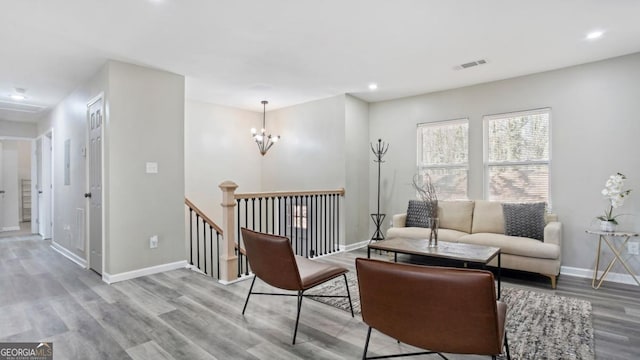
[[615, 195]]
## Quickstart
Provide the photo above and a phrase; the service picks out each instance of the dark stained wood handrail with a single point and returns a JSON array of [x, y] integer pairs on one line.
[[203, 216]]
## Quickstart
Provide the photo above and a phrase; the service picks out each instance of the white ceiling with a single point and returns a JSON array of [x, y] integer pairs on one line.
[[237, 53]]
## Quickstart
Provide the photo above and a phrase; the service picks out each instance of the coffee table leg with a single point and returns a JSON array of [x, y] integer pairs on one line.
[[395, 257], [368, 252]]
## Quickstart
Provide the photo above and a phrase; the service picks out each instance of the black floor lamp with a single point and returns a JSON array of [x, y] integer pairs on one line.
[[377, 218]]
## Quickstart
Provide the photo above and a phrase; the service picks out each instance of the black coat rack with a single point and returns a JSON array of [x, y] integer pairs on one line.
[[379, 151]]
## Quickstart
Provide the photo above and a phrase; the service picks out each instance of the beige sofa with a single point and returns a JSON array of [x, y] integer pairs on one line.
[[482, 222]]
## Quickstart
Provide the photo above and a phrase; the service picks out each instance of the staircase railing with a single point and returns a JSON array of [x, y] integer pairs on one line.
[[204, 234], [310, 219]]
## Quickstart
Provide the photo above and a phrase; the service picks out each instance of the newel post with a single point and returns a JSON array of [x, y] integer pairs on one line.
[[228, 259]]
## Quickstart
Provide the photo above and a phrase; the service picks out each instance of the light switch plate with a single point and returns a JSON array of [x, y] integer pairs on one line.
[[633, 248], [153, 242], [152, 168]]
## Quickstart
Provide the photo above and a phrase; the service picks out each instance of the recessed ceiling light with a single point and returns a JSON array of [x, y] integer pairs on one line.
[[373, 86], [595, 35], [17, 97]]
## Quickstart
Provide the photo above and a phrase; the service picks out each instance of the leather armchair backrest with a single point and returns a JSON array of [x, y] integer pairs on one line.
[[435, 308], [271, 259]]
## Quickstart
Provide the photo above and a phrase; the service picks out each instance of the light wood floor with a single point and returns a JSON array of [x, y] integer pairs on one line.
[[184, 315]]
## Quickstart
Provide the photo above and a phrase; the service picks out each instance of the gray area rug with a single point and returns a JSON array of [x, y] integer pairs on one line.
[[539, 326]]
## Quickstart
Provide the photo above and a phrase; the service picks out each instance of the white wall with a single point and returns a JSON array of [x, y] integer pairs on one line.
[[145, 123], [219, 147], [595, 130]]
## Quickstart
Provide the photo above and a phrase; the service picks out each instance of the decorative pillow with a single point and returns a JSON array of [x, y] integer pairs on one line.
[[524, 220], [417, 213]]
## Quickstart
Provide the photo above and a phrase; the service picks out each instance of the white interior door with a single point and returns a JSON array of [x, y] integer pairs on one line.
[[95, 123], [2, 190], [9, 190], [45, 188]]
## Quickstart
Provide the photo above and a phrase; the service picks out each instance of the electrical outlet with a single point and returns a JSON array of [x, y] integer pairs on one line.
[[153, 242], [633, 248]]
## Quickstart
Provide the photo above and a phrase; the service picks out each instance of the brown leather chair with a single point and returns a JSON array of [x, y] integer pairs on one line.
[[272, 260], [443, 310]]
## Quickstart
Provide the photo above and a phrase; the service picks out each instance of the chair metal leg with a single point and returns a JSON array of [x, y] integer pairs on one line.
[[249, 294], [506, 346], [346, 284], [366, 344], [295, 331]]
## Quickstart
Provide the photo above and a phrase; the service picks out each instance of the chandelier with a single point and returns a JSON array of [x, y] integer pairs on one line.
[[264, 141]]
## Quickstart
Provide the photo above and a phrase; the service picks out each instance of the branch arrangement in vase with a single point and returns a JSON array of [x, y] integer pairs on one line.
[[427, 193]]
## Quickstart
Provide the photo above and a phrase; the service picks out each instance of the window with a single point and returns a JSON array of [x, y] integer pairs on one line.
[[517, 155], [443, 153]]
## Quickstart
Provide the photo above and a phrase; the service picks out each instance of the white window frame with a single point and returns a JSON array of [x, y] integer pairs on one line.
[[419, 152], [487, 164]]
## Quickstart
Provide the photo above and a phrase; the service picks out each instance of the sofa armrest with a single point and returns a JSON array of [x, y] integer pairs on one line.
[[399, 220], [553, 233]]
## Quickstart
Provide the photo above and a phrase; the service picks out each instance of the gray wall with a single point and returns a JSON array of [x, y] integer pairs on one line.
[[17, 129], [357, 166], [145, 123], [595, 128]]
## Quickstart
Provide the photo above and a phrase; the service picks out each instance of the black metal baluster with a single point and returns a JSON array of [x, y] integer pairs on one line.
[[211, 246], [204, 244], [238, 253], [266, 215], [324, 220], [316, 226], [338, 222], [190, 236], [260, 214], [198, 240], [273, 215], [253, 214], [331, 215], [280, 216], [305, 224], [218, 252]]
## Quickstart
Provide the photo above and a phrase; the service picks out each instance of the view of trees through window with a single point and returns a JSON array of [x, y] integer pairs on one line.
[[517, 156], [443, 153]]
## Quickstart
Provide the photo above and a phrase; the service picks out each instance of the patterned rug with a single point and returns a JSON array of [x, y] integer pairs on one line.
[[540, 326]]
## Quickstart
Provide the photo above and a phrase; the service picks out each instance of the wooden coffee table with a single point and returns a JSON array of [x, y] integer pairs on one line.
[[465, 253]]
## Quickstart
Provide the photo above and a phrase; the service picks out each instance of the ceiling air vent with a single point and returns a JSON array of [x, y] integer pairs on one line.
[[20, 107], [471, 64]]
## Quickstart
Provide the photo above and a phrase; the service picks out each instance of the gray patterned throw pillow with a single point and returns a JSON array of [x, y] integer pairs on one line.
[[524, 220], [417, 213]]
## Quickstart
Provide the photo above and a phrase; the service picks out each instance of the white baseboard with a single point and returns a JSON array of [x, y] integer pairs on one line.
[[128, 275], [10, 228], [588, 273], [68, 254], [241, 278], [357, 245]]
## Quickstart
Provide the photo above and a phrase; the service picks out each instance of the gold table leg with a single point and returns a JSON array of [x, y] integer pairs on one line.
[[618, 256]]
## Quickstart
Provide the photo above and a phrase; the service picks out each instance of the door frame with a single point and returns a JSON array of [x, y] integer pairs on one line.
[[35, 210], [87, 159]]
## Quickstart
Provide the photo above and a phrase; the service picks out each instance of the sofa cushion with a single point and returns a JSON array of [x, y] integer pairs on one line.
[[423, 233], [488, 217], [525, 220], [418, 212], [514, 245], [455, 215]]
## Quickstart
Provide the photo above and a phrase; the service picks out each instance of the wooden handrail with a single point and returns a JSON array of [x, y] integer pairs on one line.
[[203, 216], [288, 193]]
